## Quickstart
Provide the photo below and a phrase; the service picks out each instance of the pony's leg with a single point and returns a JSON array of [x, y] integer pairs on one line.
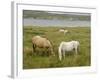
[[60, 53], [60, 56], [48, 52], [34, 49], [64, 54], [76, 50], [44, 51]]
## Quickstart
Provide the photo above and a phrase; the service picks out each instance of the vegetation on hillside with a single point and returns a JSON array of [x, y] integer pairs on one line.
[[31, 61]]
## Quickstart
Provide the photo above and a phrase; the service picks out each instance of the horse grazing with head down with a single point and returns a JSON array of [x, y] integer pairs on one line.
[[63, 31], [42, 43], [67, 46]]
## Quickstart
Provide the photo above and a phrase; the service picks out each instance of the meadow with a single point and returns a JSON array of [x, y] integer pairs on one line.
[[82, 34]]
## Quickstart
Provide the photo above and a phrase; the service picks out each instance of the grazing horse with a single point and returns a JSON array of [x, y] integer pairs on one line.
[[63, 31], [67, 46], [41, 42]]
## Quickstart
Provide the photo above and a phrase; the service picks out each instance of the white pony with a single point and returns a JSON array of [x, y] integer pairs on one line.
[[63, 31], [67, 46]]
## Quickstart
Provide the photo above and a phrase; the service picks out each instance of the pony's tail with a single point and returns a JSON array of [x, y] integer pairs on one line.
[[59, 53]]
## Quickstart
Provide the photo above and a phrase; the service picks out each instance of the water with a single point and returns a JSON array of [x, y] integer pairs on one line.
[[55, 22]]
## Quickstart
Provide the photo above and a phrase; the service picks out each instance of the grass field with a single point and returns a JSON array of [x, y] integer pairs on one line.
[[82, 34]]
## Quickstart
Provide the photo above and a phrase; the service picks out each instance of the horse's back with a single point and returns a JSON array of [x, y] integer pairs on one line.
[[67, 46], [75, 43], [41, 42], [34, 38]]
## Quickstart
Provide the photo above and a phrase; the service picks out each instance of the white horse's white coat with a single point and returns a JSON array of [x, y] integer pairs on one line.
[[63, 31], [67, 46]]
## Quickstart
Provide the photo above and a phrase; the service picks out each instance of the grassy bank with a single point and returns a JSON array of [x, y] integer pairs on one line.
[[82, 34]]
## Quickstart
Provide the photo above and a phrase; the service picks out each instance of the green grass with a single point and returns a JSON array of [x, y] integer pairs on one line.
[[82, 34]]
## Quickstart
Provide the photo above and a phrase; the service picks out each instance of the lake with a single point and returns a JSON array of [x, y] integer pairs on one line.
[[55, 22]]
